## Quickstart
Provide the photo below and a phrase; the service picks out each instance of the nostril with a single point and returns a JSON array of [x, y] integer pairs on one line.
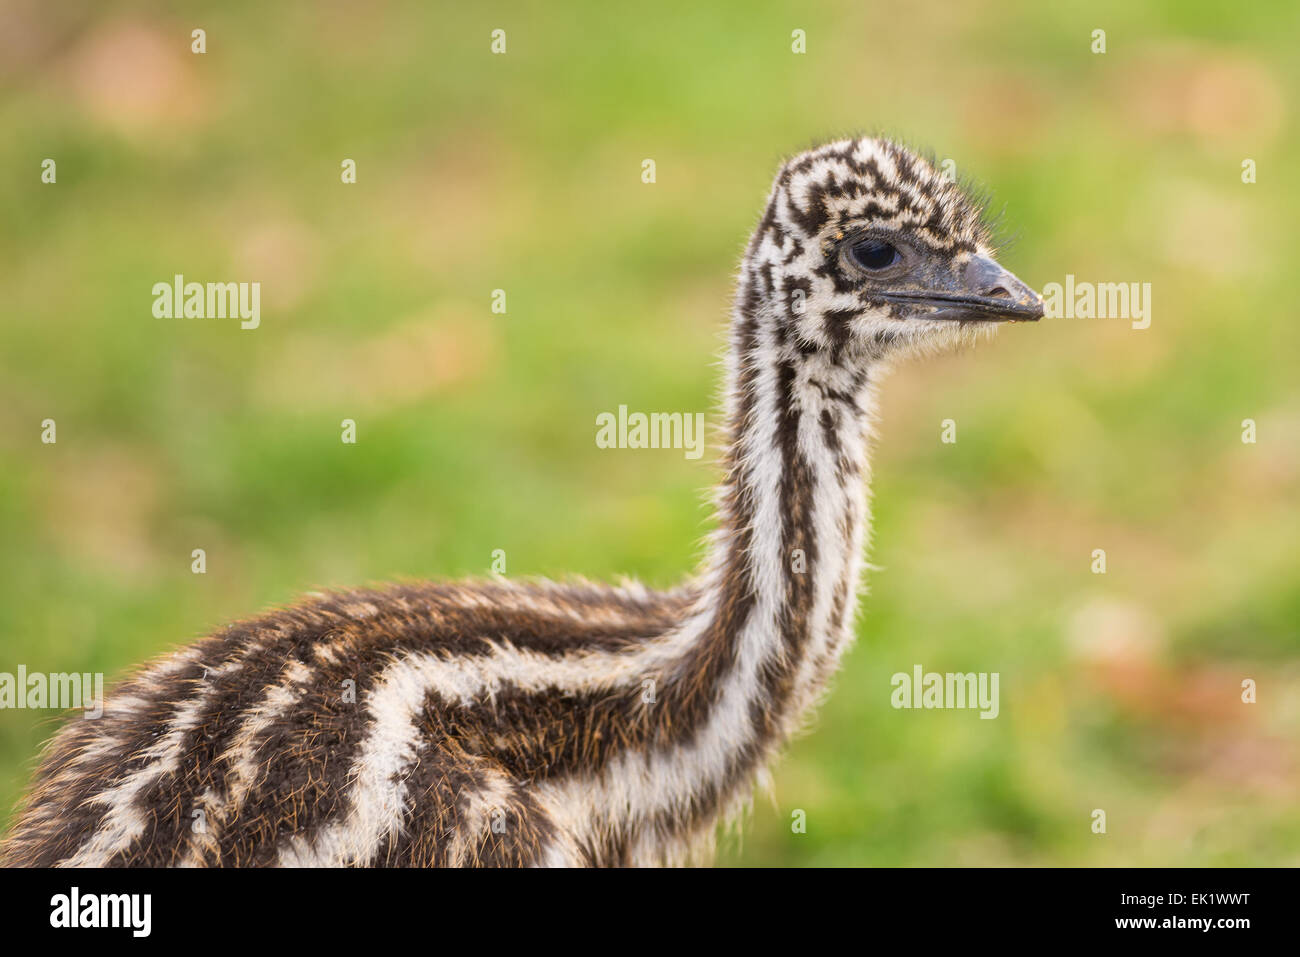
[[988, 280]]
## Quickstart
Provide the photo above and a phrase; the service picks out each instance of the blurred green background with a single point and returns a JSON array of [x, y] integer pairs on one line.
[[476, 431]]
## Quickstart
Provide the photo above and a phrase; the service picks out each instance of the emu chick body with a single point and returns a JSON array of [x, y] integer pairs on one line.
[[563, 724]]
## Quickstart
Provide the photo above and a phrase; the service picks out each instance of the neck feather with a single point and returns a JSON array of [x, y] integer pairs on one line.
[[773, 611], [780, 584], [793, 513]]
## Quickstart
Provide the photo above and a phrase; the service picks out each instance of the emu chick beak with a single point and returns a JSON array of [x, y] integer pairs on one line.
[[984, 292]]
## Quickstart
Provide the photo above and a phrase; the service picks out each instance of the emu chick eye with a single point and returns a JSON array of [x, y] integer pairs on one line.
[[875, 254]]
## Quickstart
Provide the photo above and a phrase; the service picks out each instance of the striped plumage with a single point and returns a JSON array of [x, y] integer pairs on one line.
[[541, 724]]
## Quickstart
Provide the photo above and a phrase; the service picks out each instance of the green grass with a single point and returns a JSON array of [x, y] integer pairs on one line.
[[521, 172]]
